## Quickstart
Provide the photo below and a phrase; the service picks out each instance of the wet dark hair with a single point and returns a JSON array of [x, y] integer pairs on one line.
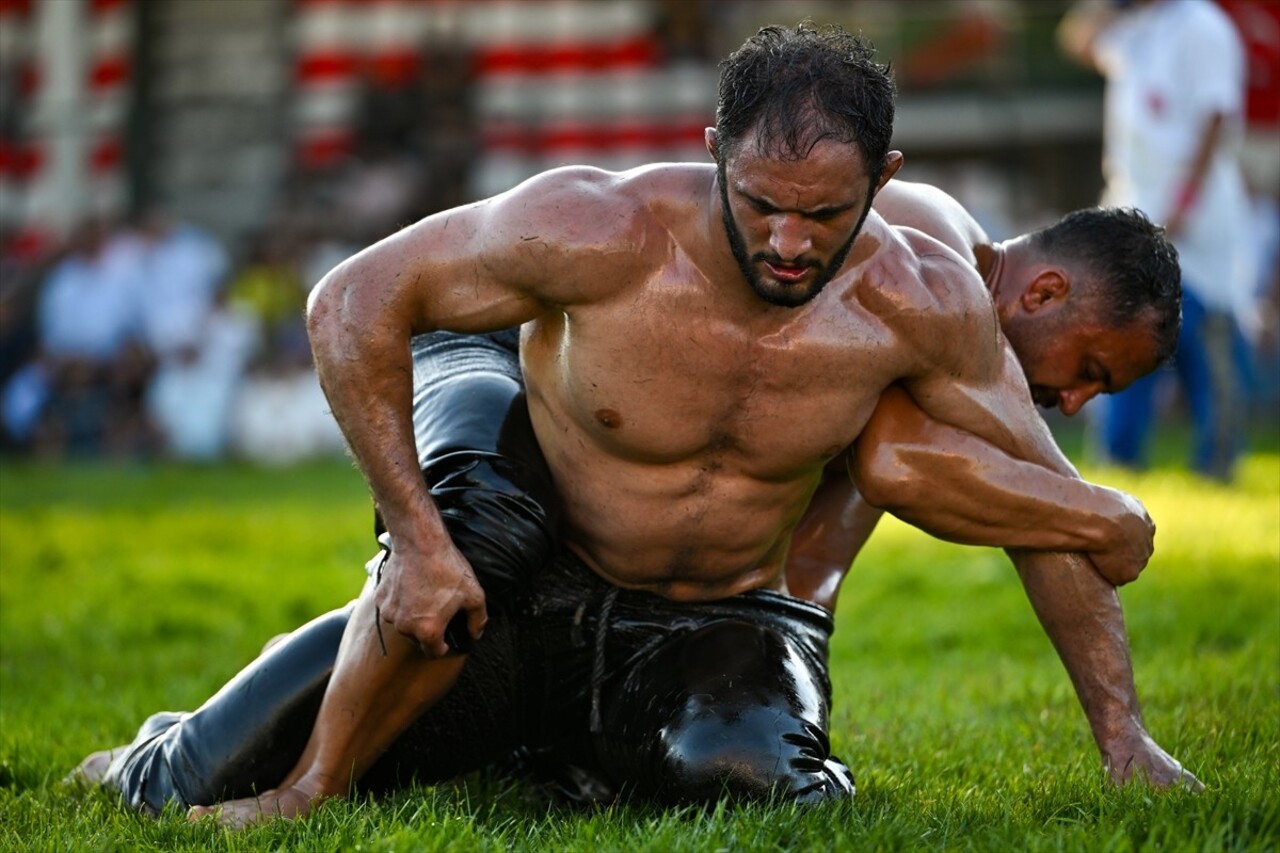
[[791, 88], [1132, 266]]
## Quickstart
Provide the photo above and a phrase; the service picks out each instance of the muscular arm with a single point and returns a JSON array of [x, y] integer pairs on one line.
[[956, 487], [960, 488], [972, 382], [1081, 614], [476, 268], [827, 540]]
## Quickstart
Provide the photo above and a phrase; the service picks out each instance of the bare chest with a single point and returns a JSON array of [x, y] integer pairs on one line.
[[668, 387]]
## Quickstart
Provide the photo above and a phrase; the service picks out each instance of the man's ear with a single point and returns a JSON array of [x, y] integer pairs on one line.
[[892, 163], [1051, 285], [709, 135]]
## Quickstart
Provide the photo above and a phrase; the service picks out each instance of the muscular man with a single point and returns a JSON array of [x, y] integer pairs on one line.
[[699, 344], [1088, 305]]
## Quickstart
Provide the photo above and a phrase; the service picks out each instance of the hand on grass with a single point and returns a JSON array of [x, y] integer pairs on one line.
[[1138, 757]]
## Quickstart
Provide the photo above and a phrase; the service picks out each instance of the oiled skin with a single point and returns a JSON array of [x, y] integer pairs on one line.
[[686, 422], [950, 483]]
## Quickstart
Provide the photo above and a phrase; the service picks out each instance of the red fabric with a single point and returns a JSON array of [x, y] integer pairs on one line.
[[19, 161], [1258, 23], [109, 71], [319, 66], [106, 156], [588, 56], [322, 150]]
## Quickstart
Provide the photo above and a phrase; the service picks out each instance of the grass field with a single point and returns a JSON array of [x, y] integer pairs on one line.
[[125, 590]]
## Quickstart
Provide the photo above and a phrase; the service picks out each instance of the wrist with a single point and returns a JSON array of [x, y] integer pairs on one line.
[[419, 532], [1116, 724]]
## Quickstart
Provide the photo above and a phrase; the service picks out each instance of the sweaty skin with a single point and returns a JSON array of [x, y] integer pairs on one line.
[[958, 487], [686, 420]]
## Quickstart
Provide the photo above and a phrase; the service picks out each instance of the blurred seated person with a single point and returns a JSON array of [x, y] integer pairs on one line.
[[82, 394]]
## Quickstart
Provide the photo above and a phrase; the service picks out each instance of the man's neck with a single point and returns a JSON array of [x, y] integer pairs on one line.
[[989, 259]]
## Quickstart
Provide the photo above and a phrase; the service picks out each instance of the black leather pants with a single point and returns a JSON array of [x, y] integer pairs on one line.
[[606, 690], [679, 702], [482, 465]]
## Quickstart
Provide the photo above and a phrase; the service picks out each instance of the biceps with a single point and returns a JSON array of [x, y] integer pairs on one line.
[[989, 398]]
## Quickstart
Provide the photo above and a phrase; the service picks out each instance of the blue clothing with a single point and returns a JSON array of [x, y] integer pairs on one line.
[[1211, 364]]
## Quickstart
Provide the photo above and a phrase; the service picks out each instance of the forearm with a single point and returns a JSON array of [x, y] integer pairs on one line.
[[1193, 181], [361, 353], [959, 488], [828, 538], [1081, 613]]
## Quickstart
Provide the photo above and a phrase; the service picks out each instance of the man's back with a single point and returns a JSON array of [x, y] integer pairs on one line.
[[929, 209]]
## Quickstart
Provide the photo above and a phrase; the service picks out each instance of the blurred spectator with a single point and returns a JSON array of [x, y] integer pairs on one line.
[[19, 279], [191, 399], [278, 414], [82, 393], [1175, 85], [183, 267], [268, 291], [183, 271]]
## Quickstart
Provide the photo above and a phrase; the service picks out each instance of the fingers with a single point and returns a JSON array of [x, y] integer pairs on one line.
[[1189, 782], [445, 632]]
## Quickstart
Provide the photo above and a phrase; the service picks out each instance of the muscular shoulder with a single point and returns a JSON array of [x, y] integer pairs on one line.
[[929, 209], [930, 298], [578, 230]]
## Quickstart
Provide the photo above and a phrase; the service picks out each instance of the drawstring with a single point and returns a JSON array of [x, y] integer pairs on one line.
[[385, 541], [597, 660]]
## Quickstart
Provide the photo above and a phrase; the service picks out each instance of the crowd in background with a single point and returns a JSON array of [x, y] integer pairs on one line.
[[146, 338], [151, 337]]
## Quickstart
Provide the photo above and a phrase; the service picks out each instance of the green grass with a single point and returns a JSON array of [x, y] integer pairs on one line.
[[127, 590]]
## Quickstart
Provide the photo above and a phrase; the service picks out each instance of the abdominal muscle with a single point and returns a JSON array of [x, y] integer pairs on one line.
[[693, 530]]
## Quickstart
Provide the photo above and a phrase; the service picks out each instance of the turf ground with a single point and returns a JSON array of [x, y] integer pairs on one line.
[[125, 590]]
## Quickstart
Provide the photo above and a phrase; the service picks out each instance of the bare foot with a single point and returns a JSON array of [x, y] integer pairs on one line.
[[282, 803], [92, 770]]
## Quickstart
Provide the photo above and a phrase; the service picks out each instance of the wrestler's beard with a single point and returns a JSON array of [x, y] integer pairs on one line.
[[790, 297]]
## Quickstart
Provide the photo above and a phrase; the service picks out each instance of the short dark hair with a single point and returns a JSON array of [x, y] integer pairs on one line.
[[1133, 265], [795, 87]]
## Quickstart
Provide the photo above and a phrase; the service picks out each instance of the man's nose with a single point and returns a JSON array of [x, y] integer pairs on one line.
[[789, 236], [1073, 400]]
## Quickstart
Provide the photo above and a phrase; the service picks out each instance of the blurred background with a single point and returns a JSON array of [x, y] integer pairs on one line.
[[175, 175]]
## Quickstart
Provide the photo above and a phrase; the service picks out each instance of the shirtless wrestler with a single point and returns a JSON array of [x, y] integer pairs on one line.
[[699, 344], [1088, 305]]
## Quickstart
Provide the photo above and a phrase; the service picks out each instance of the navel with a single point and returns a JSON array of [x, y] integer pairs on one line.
[[609, 418]]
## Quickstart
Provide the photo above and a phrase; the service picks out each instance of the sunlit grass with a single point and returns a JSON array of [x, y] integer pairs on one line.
[[128, 590]]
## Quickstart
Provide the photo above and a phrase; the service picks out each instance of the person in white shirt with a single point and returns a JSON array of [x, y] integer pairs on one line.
[[80, 395], [1174, 98]]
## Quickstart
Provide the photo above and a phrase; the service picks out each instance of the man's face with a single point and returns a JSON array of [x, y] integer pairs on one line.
[[1082, 357], [791, 224]]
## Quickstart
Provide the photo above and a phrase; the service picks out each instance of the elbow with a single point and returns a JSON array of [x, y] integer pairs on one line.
[[324, 309], [884, 480]]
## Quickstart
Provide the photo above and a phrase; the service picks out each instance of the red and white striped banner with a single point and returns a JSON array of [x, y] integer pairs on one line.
[[64, 157]]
